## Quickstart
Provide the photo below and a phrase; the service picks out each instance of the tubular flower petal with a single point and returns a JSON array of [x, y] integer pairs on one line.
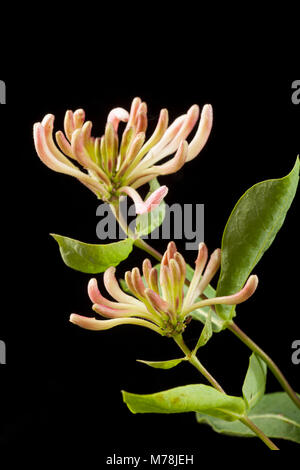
[[153, 200], [93, 324], [108, 165], [116, 115], [235, 299], [158, 302]]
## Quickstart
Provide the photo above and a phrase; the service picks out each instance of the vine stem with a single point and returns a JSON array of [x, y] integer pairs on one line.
[[231, 326], [191, 357], [270, 363], [196, 363], [137, 241]]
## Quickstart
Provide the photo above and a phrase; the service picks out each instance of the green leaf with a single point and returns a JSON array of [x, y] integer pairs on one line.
[[255, 381], [206, 333], [89, 258], [146, 223], [201, 314], [163, 364], [275, 414], [250, 230], [187, 398]]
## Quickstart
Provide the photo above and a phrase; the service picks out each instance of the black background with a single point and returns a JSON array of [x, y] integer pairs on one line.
[[61, 384]]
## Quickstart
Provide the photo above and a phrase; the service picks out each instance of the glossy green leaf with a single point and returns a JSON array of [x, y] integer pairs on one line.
[[89, 258], [187, 398], [163, 364], [250, 230], [275, 414], [255, 381], [206, 333], [146, 223]]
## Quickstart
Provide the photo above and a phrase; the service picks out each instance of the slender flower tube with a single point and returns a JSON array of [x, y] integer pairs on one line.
[[111, 166], [157, 301]]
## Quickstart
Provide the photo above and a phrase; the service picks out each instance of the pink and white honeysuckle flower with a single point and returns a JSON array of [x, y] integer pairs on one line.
[[112, 167], [158, 301]]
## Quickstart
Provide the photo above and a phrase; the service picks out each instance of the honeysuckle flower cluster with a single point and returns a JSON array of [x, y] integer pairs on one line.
[[111, 169], [158, 302]]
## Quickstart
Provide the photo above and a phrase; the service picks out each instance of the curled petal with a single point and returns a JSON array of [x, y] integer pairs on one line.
[[128, 310], [110, 312], [155, 153], [97, 298], [171, 250], [200, 264], [210, 270], [184, 131], [97, 151], [134, 195], [173, 165], [116, 115], [93, 324], [94, 293], [176, 288], [164, 260], [137, 281], [127, 137], [153, 200], [78, 117], [176, 163], [131, 153], [181, 263], [86, 133], [158, 133], [133, 112], [69, 125], [141, 180], [142, 120], [147, 266], [50, 160], [130, 285], [156, 301], [153, 280], [235, 299], [83, 157], [47, 124], [164, 278], [110, 148], [112, 287], [202, 134], [64, 144], [175, 272]]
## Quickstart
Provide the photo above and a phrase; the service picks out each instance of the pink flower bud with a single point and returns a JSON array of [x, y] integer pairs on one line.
[[153, 201], [116, 115]]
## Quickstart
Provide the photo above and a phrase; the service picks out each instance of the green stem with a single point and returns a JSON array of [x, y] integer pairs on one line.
[[119, 218], [231, 326], [197, 364], [260, 352], [137, 241], [245, 420], [151, 251], [270, 363]]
